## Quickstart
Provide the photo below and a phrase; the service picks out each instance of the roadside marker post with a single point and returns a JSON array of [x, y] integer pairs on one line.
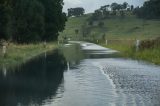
[[106, 42], [4, 50], [137, 44]]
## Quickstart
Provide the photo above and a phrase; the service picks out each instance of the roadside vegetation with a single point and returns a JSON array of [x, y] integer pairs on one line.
[[28, 21], [19, 53], [26, 24], [150, 53]]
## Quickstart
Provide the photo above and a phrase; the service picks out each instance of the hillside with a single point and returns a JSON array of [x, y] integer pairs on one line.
[[129, 27]]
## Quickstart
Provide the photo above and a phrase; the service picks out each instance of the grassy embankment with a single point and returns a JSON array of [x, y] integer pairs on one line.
[[151, 55], [17, 54], [120, 33]]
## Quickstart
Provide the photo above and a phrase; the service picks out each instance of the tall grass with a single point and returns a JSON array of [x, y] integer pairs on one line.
[[129, 51], [16, 54]]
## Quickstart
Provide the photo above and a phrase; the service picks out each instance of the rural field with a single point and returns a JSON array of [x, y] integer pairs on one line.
[[80, 53], [121, 34], [17, 54], [129, 27]]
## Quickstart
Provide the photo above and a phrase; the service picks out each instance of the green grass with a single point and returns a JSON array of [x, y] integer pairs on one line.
[[129, 51], [120, 33], [114, 28], [17, 54], [131, 28], [72, 24]]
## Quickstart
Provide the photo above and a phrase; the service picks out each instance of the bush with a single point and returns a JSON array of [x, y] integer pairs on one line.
[[148, 44], [101, 24]]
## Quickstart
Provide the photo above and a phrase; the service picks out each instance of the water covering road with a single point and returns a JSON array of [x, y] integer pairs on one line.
[[81, 74]]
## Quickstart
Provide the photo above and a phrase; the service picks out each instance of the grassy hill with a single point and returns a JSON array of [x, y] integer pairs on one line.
[[72, 24], [129, 27], [121, 34]]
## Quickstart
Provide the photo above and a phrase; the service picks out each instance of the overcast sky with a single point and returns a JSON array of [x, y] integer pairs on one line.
[[91, 5]]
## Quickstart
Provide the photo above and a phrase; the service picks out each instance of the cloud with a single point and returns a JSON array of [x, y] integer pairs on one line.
[[73, 2]]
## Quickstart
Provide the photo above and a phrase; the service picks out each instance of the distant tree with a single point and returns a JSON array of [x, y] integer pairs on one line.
[[124, 5], [76, 11], [90, 23], [76, 31], [105, 7], [122, 13], [150, 10], [97, 15], [132, 7], [113, 13], [128, 9], [105, 11], [114, 6], [119, 7], [138, 11], [101, 24]]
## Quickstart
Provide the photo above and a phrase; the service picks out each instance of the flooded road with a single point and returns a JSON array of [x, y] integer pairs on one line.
[[81, 74]]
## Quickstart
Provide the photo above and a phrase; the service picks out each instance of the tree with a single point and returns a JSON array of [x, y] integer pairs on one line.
[[114, 6], [76, 31], [122, 13], [132, 7], [150, 10], [54, 18], [5, 20], [90, 23], [28, 21], [97, 15], [101, 24], [105, 11], [124, 5], [31, 20], [76, 11]]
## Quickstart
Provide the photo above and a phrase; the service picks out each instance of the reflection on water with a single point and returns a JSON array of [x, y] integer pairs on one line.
[[73, 55], [33, 82]]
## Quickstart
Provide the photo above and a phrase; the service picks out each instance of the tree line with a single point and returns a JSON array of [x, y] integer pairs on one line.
[[149, 10], [78, 11], [114, 9], [26, 21]]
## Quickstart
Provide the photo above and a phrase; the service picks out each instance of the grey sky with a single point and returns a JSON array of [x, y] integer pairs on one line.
[[91, 5]]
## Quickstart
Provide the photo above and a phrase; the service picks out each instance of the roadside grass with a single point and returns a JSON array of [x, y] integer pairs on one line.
[[129, 51], [151, 55], [17, 54]]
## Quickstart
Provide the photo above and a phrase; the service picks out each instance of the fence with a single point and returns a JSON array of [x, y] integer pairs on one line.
[[128, 42]]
